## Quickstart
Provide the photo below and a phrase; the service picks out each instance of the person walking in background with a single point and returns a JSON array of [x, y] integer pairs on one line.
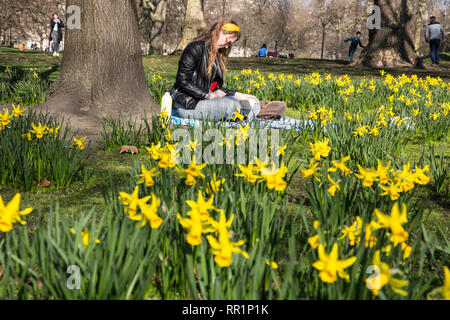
[[433, 34], [263, 51], [356, 40], [56, 26]]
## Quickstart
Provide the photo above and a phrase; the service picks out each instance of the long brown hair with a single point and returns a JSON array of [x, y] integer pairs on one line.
[[211, 36]]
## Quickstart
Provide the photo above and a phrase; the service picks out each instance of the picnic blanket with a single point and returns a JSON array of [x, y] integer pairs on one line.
[[285, 123]]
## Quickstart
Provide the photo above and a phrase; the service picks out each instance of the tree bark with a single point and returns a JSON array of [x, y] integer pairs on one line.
[[323, 41], [194, 23], [418, 33], [392, 45], [157, 15], [102, 71]]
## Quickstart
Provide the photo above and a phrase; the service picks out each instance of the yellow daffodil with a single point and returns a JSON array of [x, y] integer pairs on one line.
[[215, 185], [445, 291], [5, 118], [314, 241], [192, 172], [393, 222], [223, 248], [238, 115], [274, 177], [369, 239], [85, 236], [201, 207], [79, 142], [348, 115], [320, 149], [17, 112], [168, 136], [311, 171], [199, 220], [340, 165], [382, 172], [10, 214], [149, 212], [193, 145], [435, 116], [260, 165], [360, 131], [384, 277], [333, 187], [39, 131], [26, 135], [406, 250], [353, 232], [374, 131], [272, 264], [195, 227], [131, 201], [369, 176], [330, 266], [146, 176], [420, 176], [154, 151], [313, 115], [281, 150], [241, 134], [247, 173], [406, 178], [166, 159], [386, 250], [53, 131], [393, 190]]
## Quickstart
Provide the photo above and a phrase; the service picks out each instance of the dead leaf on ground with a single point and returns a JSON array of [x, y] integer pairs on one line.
[[44, 184], [131, 149]]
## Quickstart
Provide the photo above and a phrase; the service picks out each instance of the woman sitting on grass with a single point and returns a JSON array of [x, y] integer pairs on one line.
[[198, 91]]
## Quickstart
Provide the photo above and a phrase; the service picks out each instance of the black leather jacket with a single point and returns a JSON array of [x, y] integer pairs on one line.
[[193, 83]]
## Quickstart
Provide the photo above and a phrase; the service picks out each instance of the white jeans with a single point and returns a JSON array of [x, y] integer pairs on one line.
[[216, 109]]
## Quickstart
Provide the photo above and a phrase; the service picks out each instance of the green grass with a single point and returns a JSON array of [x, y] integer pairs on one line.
[[106, 168], [167, 66]]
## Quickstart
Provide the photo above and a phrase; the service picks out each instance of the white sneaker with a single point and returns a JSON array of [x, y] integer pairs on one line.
[[57, 54], [54, 54]]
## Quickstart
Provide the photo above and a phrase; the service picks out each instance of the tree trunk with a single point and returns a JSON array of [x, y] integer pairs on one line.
[[194, 23], [102, 71], [158, 17], [392, 45], [418, 33], [224, 6], [323, 41]]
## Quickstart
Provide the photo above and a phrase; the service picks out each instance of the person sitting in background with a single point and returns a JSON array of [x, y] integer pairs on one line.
[[198, 92], [356, 40], [433, 34], [263, 51]]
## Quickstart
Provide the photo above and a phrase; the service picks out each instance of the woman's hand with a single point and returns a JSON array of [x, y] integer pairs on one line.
[[242, 96], [216, 95]]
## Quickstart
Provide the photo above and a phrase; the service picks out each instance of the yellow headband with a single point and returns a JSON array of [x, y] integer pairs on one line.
[[231, 27]]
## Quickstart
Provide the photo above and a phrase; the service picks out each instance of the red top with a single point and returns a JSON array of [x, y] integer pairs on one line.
[[213, 86]]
